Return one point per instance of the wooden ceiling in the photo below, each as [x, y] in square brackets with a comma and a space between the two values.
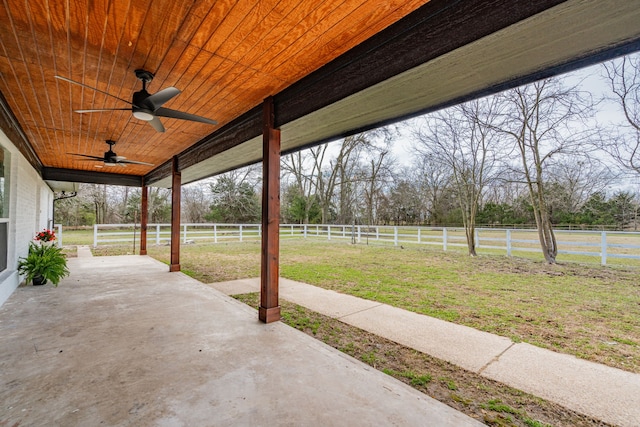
[225, 57]
[334, 67]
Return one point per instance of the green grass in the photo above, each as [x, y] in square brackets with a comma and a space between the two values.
[451, 384]
[300, 322]
[498, 406]
[77, 237]
[568, 308]
[535, 423]
[416, 380]
[588, 311]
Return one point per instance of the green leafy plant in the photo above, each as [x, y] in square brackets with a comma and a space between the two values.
[44, 260]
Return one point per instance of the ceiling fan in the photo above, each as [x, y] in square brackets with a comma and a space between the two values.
[146, 106]
[110, 158]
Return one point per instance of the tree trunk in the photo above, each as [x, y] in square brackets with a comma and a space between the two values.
[546, 235]
[470, 230]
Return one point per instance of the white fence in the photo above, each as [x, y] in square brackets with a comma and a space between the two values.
[602, 244]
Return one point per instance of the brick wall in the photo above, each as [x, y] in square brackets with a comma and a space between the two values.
[30, 208]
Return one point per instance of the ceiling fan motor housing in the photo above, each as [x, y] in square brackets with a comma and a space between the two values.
[140, 110]
[110, 157]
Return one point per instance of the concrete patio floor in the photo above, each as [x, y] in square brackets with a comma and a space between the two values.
[123, 342]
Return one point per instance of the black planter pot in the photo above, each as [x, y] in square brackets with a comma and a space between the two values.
[39, 280]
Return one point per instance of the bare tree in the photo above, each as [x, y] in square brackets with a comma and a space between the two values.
[544, 120]
[97, 194]
[463, 139]
[434, 182]
[623, 76]
[195, 202]
[403, 204]
[337, 176]
[575, 180]
[301, 167]
[505, 189]
[377, 173]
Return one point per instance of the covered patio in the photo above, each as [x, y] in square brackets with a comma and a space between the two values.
[245, 82]
[122, 341]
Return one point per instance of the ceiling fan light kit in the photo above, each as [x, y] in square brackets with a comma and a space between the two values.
[143, 115]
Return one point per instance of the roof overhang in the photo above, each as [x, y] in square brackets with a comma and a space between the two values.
[566, 37]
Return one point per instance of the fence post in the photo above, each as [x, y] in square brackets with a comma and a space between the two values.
[359, 235]
[377, 233]
[157, 234]
[477, 239]
[444, 239]
[305, 231]
[59, 235]
[184, 234]
[240, 232]
[508, 243]
[95, 235]
[395, 235]
[603, 248]
[328, 232]
[215, 233]
[419, 235]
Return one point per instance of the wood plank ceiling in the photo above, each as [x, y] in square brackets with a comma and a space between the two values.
[225, 56]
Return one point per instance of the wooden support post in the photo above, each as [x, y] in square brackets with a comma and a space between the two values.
[175, 216]
[269, 310]
[144, 216]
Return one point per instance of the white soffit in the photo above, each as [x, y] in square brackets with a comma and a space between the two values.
[60, 186]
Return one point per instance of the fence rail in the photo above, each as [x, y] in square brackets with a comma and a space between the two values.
[602, 244]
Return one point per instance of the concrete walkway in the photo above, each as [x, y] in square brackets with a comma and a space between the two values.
[605, 393]
[84, 251]
[123, 342]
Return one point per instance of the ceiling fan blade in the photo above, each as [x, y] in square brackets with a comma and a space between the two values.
[156, 124]
[92, 88]
[156, 100]
[101, 109]
[174, 114]
[89, 157]
[135, 162]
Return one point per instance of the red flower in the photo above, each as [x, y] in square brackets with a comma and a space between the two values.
[45, 235]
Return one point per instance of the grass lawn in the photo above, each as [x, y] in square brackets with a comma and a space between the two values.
[589, 311]
[77, 237]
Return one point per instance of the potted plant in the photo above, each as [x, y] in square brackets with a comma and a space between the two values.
[43, 263]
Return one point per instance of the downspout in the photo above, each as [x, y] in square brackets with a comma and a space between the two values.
[64, 195]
